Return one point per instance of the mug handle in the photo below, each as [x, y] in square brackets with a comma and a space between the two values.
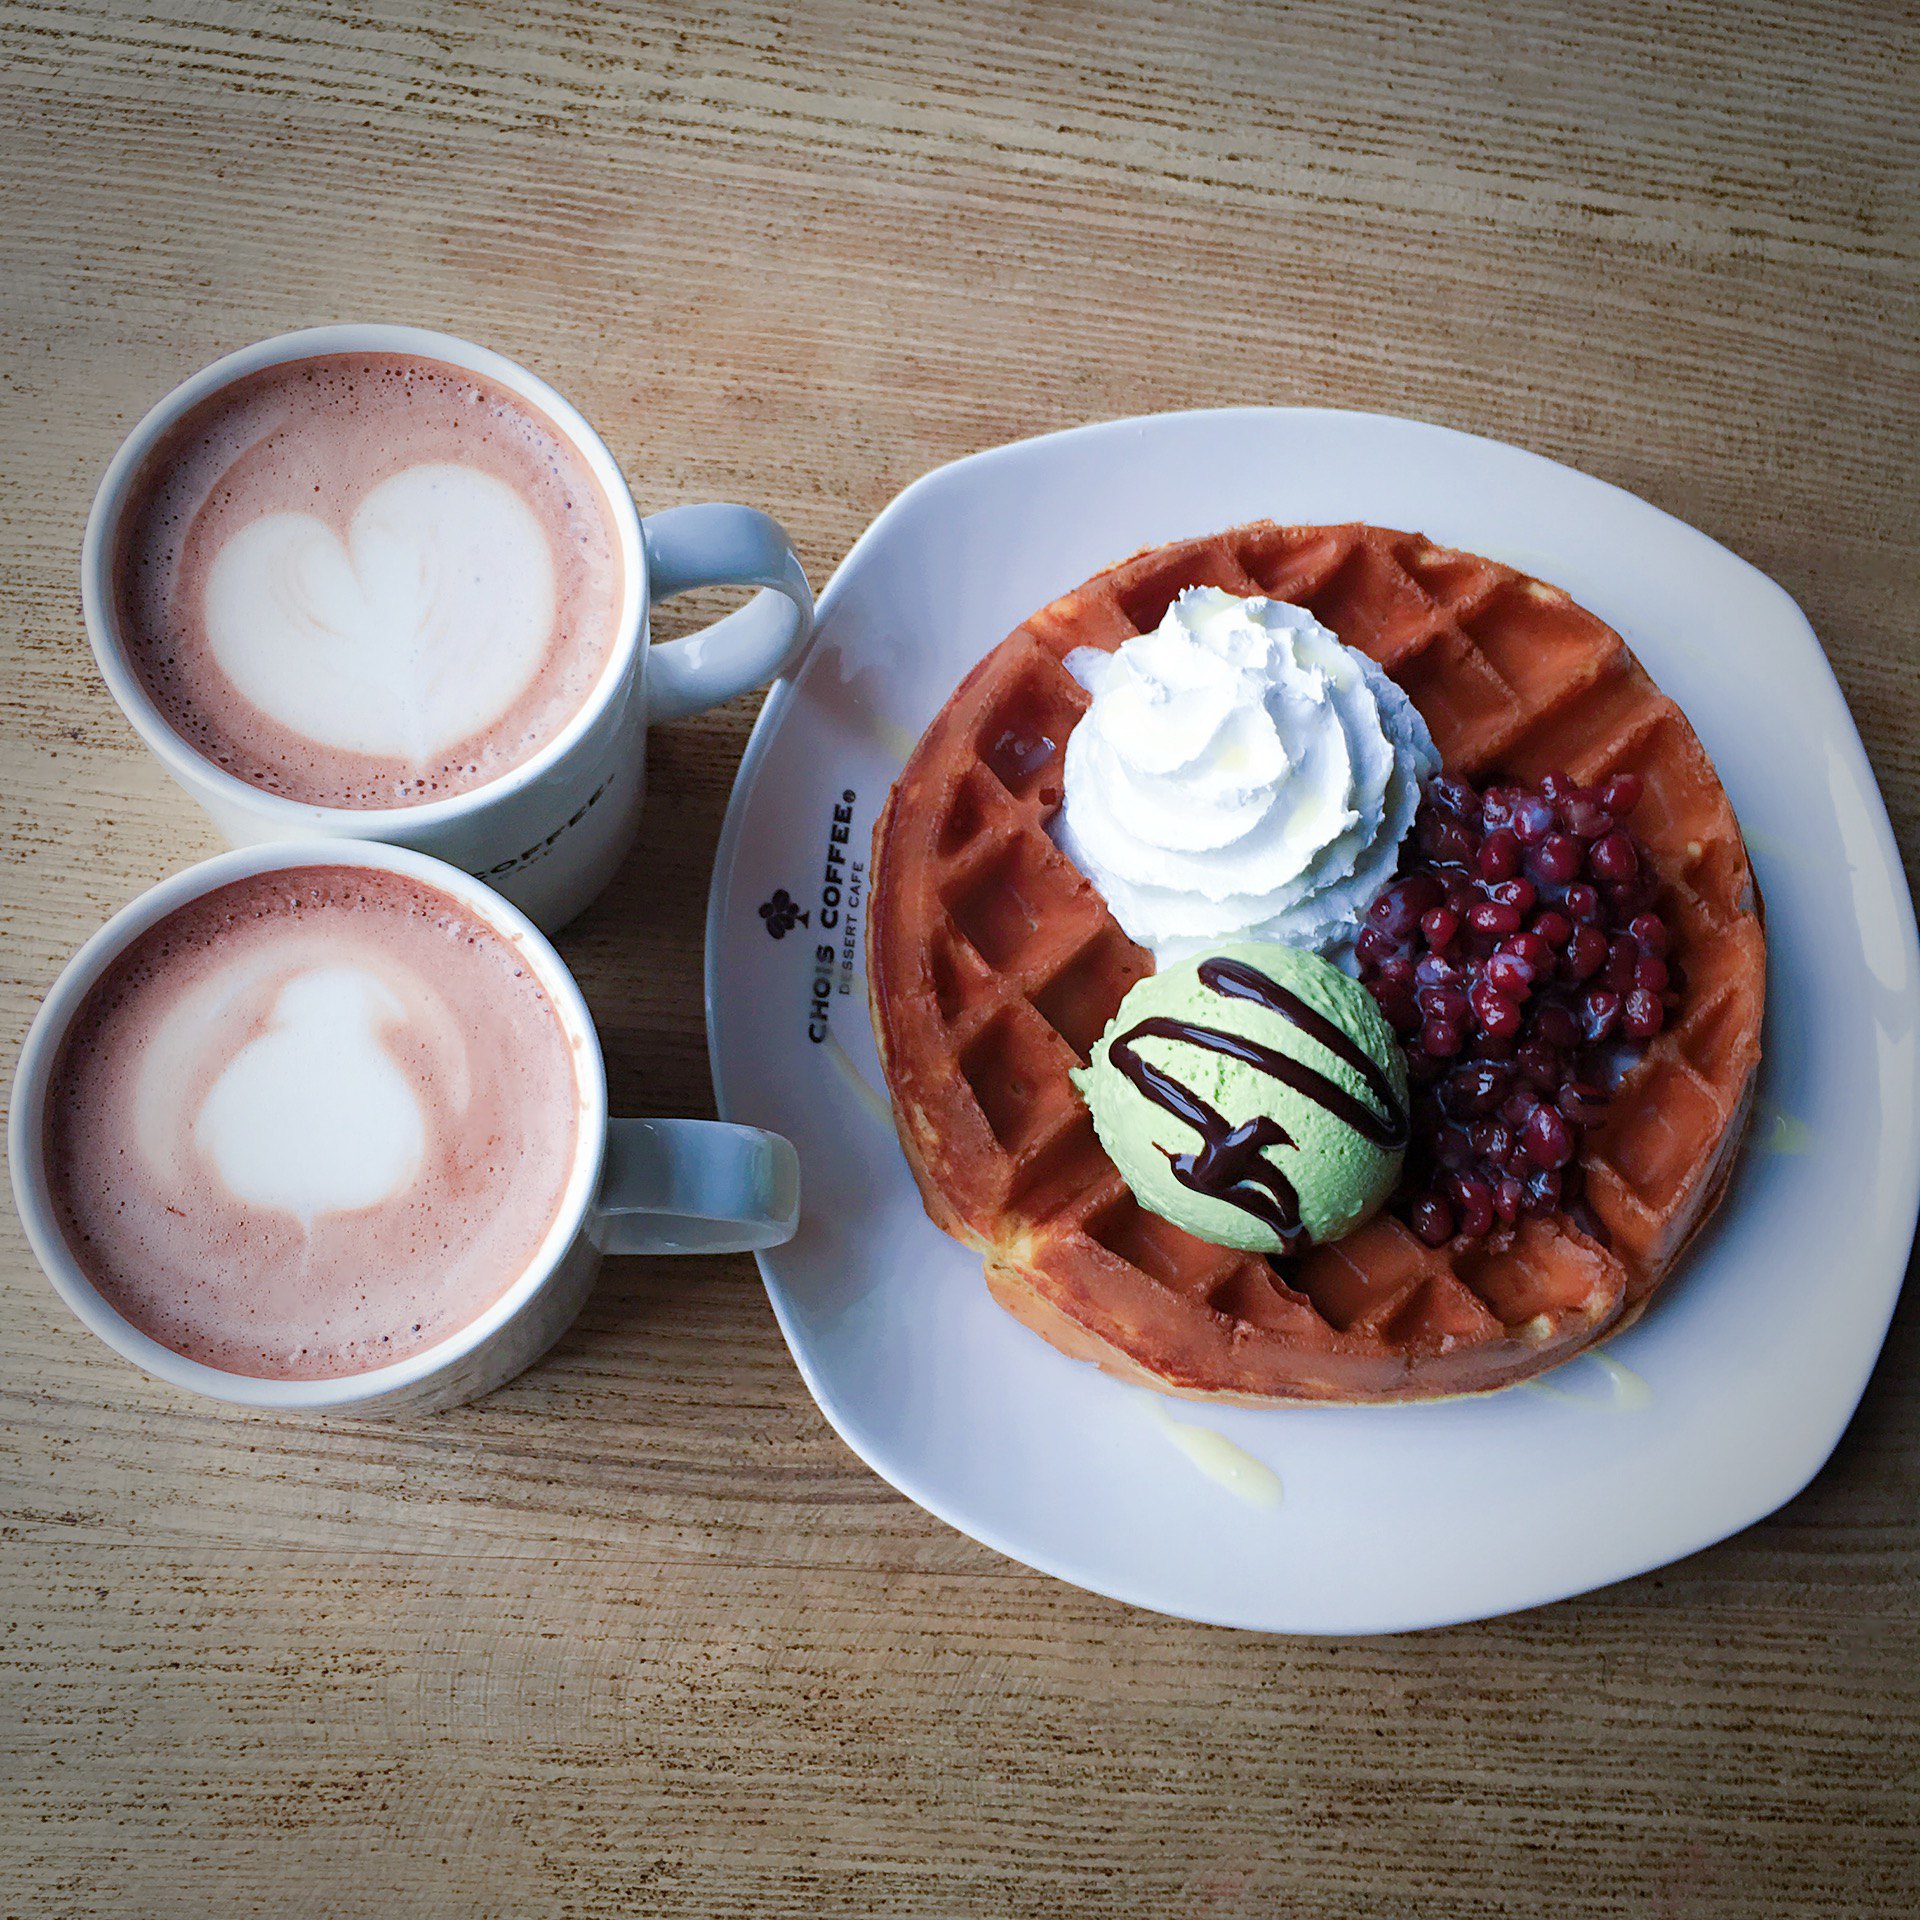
[694, 1186]
[724, 546]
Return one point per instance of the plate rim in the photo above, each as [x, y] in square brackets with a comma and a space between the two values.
[733, 826]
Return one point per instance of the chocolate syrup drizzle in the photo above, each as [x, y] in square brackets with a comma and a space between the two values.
[1230, 1163]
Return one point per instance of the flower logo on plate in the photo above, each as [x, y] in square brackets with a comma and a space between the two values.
[782, 914]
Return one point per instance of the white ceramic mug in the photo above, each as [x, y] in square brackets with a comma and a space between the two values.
[551, 832]
[636, 1186]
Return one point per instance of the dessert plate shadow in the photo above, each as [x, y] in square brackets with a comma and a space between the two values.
[1718, 1407]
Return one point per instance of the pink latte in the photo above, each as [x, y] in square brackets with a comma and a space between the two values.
[367, 579]
[311, 1123]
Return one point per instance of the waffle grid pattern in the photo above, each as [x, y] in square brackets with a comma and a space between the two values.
[995, 966]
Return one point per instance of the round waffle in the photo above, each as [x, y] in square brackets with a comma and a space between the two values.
[994, 966]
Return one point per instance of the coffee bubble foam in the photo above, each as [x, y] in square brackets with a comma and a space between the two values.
[366, 580]
[311, 1123]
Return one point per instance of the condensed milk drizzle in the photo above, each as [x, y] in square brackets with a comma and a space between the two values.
[1230, 1163]
[1216, 1456]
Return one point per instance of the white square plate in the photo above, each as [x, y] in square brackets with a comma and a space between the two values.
[1718, 1407]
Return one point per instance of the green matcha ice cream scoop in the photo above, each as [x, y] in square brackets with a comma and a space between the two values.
[1253, 1095]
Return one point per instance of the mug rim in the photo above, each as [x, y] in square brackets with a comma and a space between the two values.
[288, 816]
[27, 1129]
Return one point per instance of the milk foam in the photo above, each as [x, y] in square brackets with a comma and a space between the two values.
[315, 1116]
[420, 628]
[367, 580]
[311, 1124]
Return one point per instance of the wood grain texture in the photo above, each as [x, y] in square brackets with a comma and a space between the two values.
[637, 1635]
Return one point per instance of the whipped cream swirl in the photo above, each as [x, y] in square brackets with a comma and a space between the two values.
[1239, 775]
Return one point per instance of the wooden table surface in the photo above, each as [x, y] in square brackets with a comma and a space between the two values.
[638, 1635]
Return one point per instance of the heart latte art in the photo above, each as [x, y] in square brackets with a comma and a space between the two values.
[311, 1123]
[367, 580]
[356, 1134]
[424, 625]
